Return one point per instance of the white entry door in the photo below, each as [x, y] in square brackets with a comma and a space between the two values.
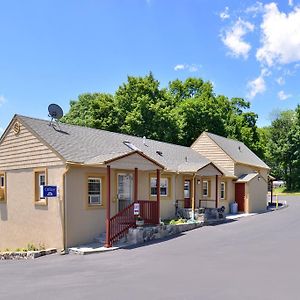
[125, 190]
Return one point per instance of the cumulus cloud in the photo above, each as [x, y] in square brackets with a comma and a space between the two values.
[291, 2]
[225, 13]
[256, 86]
[233, 38]
[191, 68]
[280, 36]
[2, 100]
[283, 96]
[280, 80]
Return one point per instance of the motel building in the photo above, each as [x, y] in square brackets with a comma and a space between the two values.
[63, 185]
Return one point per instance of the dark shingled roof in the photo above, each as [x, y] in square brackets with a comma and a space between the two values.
[87, 145]
[238, 151]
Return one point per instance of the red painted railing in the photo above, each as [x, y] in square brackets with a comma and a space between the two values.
[125, 219]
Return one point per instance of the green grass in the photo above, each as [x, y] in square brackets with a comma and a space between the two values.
[283, 191]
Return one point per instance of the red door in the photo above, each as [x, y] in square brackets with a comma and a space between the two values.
[187, 194]
[240, 196]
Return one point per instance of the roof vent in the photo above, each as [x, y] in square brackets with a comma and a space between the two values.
[240, 149]
[131, 146]
[159, 153]
[144, 141]
[186, 159]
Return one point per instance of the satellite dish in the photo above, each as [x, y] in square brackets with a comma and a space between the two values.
[55, 111]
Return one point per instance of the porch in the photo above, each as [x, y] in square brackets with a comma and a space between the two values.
[129, 206]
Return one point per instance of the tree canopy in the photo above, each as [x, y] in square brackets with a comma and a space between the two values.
[178, 113]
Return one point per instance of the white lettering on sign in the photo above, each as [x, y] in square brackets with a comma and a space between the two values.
[136, 209]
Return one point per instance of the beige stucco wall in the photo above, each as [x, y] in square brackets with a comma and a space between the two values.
[257, 195]
[22, 221]
[241, 169]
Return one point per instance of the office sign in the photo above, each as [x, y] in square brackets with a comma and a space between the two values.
[50, 191]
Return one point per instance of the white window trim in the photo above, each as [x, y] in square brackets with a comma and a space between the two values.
[100, 203]
[205, 195]
[224, 191]
[2, 177]
[162, 178]
[42, 174]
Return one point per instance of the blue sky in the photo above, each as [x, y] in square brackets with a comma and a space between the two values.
[52, 51]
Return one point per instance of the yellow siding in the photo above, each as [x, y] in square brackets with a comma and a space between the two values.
[25, 151]
[212, 151]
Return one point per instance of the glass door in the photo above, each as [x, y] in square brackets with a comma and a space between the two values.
[125, 190]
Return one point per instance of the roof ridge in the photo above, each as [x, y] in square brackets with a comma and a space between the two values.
[112, 132]
[227, 138]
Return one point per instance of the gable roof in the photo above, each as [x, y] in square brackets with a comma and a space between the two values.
[88, 145]
[238, 151]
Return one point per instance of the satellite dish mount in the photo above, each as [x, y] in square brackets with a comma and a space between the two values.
[55, 113]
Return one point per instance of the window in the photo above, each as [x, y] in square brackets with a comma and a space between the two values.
[223, 190]
[164, 182]
[94, 191]
[40, 181]
[2, 187]
[205, 188]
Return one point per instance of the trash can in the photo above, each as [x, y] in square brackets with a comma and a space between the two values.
[233, 208]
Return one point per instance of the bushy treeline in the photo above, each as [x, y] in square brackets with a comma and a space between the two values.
[178, 113]
[282, 149]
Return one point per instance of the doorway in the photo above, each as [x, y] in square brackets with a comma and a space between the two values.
[187, 193]
[240, 196]
[125, 190]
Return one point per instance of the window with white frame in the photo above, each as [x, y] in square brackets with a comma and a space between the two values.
[164, 186]
[2, 181]
[42, 182]
[205, 188]
[94, 191]
[223, 190]
[2, 187]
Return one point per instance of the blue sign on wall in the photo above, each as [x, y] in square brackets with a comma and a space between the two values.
[50, 191]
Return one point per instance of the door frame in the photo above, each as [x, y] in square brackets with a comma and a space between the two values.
[187, 200]
[131, 190]
[238, 197]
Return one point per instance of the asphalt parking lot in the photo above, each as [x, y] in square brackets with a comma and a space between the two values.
[253, 258]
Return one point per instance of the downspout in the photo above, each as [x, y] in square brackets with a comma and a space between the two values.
[64, 251]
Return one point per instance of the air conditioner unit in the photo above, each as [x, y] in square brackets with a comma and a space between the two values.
[94, 199]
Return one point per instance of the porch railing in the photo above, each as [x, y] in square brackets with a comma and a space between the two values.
[125, 219]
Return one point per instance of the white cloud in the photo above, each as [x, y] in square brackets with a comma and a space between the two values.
[179, 67]
[225, 13]
[280, 80]
[291, 2]
[254, 9]
[191, 68]
[283, 96]
[233, 38]
[280, 36]
[2, 100]
[257, 86]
